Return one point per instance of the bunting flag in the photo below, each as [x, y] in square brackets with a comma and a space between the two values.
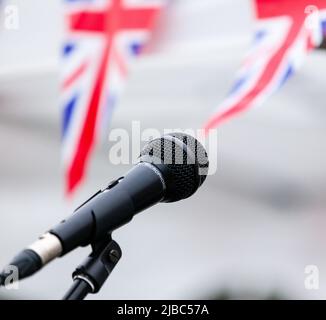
[102, 37]
[286, 31]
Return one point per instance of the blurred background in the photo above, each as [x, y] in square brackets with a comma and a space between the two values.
[253, 227]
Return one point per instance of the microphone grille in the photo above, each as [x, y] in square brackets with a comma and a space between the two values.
[182, 161]
[198, 150]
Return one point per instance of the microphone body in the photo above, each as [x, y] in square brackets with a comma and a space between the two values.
[141, 188]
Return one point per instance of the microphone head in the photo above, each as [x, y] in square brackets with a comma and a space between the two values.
[182, 161]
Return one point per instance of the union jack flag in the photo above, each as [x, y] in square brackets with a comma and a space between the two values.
[103, 36]
[287, 30]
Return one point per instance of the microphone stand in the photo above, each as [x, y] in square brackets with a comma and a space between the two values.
[90, 276]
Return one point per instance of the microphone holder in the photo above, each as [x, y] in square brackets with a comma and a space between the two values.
[90, 276]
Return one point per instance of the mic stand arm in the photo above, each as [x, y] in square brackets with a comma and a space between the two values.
[90, 276]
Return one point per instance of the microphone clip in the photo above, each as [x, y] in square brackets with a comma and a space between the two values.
[90, 276]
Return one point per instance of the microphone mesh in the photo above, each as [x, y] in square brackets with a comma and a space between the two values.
[185, 159]
[198, 150]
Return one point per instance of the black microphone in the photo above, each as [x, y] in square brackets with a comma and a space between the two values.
[170, 168]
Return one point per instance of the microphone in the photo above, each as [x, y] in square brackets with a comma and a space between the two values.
[170, 168]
